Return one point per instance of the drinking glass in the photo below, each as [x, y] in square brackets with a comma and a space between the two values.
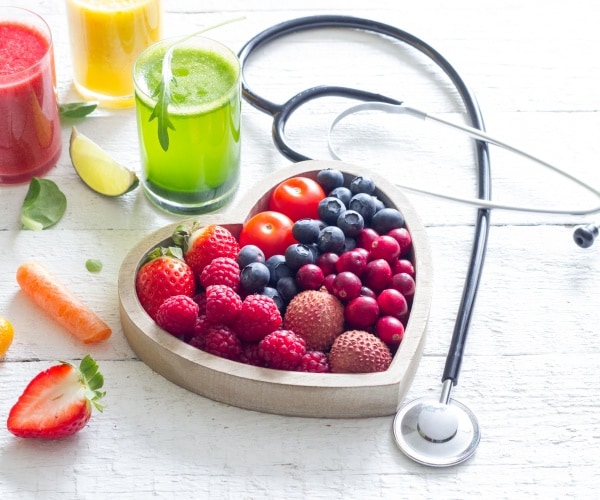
[106, 37]
[30, 135]
[198, 170]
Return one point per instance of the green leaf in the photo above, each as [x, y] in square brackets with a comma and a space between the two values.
[162, 93]
[161, 111]
[93, 380]
[43, 206]
[76, 109]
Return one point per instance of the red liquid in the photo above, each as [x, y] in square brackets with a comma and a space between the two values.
[30, 139]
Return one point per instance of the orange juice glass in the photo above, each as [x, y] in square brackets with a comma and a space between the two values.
[106, 37]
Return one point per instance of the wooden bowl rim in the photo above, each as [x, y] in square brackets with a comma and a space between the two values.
[160, 350]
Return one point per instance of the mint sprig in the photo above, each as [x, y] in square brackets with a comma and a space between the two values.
[162, 93]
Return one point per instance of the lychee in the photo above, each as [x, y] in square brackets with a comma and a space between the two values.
[358, 351]
[317, 317]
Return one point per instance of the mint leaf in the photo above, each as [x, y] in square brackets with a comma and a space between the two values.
[43, 206]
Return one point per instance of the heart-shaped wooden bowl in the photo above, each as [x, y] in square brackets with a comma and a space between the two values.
[326, 395]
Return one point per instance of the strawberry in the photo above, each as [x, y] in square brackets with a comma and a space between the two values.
[202, 244]
[163, 275]
[58, 401]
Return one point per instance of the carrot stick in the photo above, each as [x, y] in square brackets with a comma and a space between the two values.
[60, 303]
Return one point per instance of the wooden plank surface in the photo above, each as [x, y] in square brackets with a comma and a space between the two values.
[530, 372]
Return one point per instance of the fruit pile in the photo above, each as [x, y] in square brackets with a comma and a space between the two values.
[321, 281]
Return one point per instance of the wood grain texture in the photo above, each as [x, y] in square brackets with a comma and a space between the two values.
[530, 372]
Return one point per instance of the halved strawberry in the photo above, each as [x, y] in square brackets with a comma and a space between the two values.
[202, 244]
[163, 275]
[58, 401]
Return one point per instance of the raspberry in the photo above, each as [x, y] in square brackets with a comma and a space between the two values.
[250, 355]
[282, 349]
[201, 326]
[200, 299]
[314, 362]
[222, 304]
[197, 341]
[177, 315]
[222, 341]
[221, 271]
[258, 317]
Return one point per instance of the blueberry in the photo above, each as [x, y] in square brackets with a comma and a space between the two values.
[298, 254]
[254, 277]
[362, 184]
[330, 178]
[330, 209]
[349, 244]
[287, 288]
[387, 219]
[275, 295]
[342, 193]
[364, 204]
[379, 205]
[351, 222]
[277, 268]
[248, 254]
[306, 230]
[331, 239]
[315, 250]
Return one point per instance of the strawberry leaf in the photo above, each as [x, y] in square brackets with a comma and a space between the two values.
[93, 380]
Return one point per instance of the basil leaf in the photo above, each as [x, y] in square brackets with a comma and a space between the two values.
[43, 206]
[76, 109]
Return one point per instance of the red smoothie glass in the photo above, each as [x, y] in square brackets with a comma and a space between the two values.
[30, 135]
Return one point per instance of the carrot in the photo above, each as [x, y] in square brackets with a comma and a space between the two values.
[60, 303]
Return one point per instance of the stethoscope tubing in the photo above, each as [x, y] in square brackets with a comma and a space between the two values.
[475, 134]
[281, 113]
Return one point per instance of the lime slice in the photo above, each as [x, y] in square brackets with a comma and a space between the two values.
[97, 169]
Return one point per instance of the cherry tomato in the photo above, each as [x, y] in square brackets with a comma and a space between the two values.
[270, 231]
[298, 198]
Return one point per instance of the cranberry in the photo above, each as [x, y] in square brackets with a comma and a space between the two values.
[346, 286]
[326, 262]
[367, 292]
[362, 251]
[384, 247]
[392, 303]
[361, 312]
[377, 275]
[404, 283]
[328, 282]
[310, 277]
[404, 239]
[354, 261]
[390, 330]
[403, 266]
[366, 237]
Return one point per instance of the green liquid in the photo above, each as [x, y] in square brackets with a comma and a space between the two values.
[200, 169]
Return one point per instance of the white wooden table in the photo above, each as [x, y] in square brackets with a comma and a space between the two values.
[530, 372]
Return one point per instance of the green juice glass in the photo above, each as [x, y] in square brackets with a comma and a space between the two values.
[199, 170]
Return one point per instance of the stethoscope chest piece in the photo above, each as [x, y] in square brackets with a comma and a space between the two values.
[436, 434]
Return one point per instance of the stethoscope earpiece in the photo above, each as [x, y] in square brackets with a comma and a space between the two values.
[585, 235]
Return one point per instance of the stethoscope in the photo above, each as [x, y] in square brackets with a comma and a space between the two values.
[432, 431]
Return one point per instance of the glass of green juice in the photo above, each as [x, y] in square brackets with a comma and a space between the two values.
[197, 171]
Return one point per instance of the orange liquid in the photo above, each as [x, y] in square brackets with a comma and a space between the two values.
[106, 37]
